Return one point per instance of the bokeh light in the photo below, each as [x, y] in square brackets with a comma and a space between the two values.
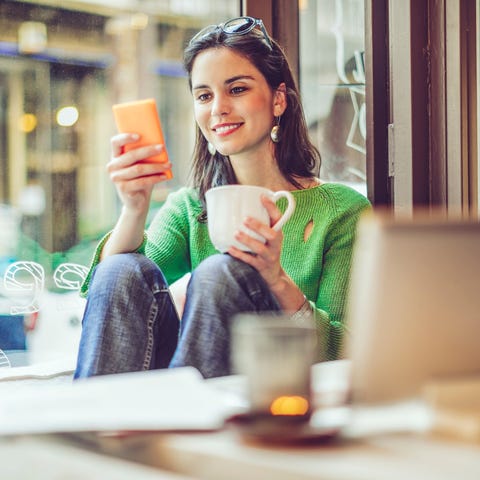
[27, 122]
[289, 405]
[67, 116]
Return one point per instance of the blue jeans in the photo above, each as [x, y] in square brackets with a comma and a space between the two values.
[12, 332]
[131, 324]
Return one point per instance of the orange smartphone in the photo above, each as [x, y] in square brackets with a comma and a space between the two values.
[141, 116]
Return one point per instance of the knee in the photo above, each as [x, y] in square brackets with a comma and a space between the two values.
[217, 266]
[114, 265]
[221, 269]
[128, 268]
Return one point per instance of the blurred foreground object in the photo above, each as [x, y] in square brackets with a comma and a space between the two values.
[414, 307]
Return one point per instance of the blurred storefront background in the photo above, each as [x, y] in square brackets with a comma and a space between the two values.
[62, 66]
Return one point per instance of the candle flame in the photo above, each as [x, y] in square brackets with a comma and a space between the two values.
[289, 405]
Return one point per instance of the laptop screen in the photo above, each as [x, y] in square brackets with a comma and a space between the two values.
[414, 305]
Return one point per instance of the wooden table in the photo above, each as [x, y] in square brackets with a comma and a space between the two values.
[224, 455]
[51, 458]
[392, 443]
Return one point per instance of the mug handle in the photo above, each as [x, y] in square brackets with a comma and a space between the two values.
[290, 207]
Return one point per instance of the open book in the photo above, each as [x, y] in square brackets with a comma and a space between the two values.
[177, 399]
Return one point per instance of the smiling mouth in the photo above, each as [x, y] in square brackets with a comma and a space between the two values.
[225, 129]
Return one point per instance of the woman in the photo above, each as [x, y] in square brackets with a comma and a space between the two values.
[250, 130]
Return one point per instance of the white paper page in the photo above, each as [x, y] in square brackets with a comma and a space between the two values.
[176, 399]
[41, 370]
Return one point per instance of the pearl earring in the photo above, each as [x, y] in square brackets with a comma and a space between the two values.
[211, 148]
[275, 132]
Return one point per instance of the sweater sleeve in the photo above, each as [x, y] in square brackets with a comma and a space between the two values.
[96, 260]
[165, 241]
[169, 233]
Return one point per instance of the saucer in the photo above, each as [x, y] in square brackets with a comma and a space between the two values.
[323, 425]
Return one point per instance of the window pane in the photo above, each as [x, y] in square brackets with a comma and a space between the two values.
[332, 81]
[62, 66]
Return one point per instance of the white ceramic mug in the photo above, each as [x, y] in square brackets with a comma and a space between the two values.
[229, 205]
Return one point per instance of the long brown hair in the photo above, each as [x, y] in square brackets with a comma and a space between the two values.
[295, 154]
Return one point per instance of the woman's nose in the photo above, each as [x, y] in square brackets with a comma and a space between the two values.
[220, 105]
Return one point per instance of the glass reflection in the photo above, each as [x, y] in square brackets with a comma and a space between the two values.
[62, 66]
[333, 86]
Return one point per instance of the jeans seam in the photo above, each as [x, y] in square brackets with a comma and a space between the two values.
[150, 328]
[150, 337]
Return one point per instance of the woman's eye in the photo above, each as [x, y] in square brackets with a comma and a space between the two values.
[203, 97]
[237, 90]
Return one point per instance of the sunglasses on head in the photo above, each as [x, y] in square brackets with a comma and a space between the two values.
[235, 26]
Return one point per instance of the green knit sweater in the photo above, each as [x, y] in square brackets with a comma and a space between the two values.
[319, 265]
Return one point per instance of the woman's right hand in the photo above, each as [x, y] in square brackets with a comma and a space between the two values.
[133, 179]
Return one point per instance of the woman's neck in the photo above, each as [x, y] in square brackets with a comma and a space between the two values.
[259, 169]
[264, 173]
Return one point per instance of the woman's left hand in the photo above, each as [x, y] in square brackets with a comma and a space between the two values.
[265, 257]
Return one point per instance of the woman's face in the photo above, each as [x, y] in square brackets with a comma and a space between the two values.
[233, 104]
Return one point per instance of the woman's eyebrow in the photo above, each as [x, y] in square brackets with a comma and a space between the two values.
[228, 81]
[238, 77]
